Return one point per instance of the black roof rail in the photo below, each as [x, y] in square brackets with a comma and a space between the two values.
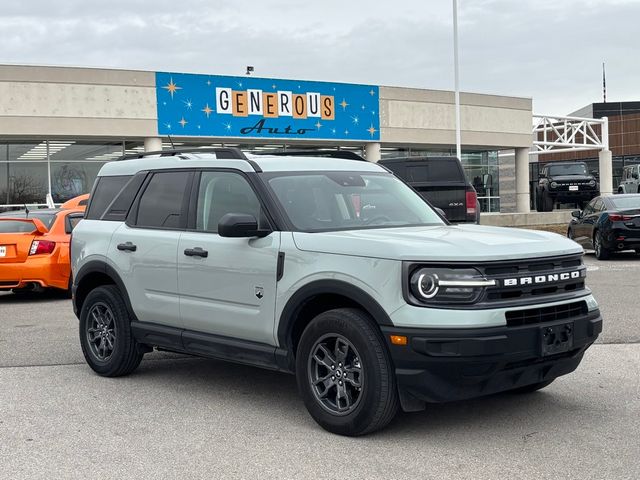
[221, 152]
[344, 154]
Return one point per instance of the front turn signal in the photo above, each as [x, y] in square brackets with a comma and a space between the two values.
[398, 339]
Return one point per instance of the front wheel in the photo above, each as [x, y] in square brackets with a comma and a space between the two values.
[344, 373]
[601, 252]
[105, 333]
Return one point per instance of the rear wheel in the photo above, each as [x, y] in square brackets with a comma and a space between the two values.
[601, 252]
[105, 333]
[344, 373]
[534, 387]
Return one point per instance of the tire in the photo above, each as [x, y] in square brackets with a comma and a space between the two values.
[547, 202]
[104, 317]
[534, 387]
[351, 336]
[601, 252]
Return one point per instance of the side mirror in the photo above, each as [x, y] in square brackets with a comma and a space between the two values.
[594, 173]
[240, 225]
[635, 175]
[576, 213]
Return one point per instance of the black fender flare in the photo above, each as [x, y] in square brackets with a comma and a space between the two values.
[332, 287]
[97, 266]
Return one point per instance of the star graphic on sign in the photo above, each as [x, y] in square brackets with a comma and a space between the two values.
[164, 103]
[318, 125]
[172, 87]
[373, 112]
[168, 125]
[333, 130]
[209, 82]
[207, 110]
[346, 132]
[371, 130]
[240, 84]
[198, 127]
[188, 104]
[343, 104]
[227, 126]
[372, 92]
[362, 107]
[355, 120]
[273, 86]
[183, 122]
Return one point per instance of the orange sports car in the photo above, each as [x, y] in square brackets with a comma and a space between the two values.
[34, 248]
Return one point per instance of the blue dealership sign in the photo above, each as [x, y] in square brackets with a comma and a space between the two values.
[250, 107]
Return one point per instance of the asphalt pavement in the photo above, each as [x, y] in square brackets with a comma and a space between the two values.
[184, 417]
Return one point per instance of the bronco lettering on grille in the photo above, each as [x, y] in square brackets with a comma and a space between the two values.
[537, 279]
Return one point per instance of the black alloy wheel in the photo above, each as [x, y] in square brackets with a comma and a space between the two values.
[101, 334]
[105, 333]
[344, 373]
[335, 373]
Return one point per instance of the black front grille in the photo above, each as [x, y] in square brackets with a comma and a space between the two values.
[531, 316]
[535, 269]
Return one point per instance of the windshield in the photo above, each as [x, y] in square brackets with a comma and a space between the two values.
[572, 169]
[625, 203]
[347, 200]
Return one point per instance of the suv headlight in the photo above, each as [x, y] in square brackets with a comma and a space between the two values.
[554, 184]
[434, 286]
[592, 183]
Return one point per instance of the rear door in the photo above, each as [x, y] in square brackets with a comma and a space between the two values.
[228, 287]
[144, 248]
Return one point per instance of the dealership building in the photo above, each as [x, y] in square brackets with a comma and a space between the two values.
[59, 125]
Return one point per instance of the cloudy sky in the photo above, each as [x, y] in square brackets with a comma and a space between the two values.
[551, 50]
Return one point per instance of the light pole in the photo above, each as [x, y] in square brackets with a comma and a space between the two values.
[456, 78]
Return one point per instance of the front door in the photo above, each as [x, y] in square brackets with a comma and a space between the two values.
[227, 285]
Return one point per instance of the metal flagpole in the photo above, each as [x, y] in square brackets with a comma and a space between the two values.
[456, 78]
[604, 85]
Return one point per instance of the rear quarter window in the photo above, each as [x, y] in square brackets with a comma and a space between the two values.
[105, 191]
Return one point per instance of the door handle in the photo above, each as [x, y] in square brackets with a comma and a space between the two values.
[127, 247]
[196, 252]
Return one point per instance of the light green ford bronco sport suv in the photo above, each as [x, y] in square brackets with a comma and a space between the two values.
[332, 269]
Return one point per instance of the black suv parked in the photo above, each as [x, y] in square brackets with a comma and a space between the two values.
[441, 180]
[565, 182]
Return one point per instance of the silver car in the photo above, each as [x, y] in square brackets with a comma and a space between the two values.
[330, 269]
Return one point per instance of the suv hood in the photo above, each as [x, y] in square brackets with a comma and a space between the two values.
[450, 243]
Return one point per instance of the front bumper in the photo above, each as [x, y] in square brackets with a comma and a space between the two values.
[440, 365]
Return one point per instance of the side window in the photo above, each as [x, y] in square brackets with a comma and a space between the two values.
[590, 208]
[598, 206]
[105, 190]
[220, 193]
[162, 201]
